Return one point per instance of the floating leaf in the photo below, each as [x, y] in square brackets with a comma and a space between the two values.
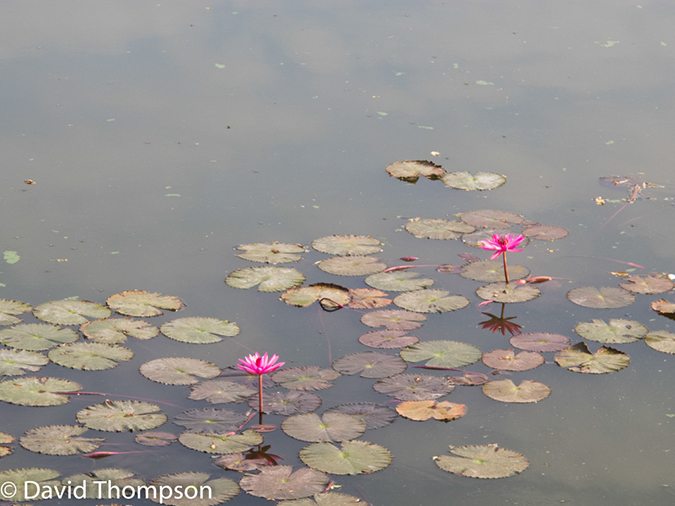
[225, 442]
[393, 319]
[468, 379]
[270, 279]
[388, 339]
[90, 356]
[506, 360]
[661, 340]
[492, 271]
[241, 461]
[411, 170]
[271, 253]
[36, 336]
[330, 427]
[545, 233]
[414, 387]
[118, 416]
[287, 403]
[206, 492]
[178, 371]
[370, 364]
[17, 362]
[373, 415]
[305, 378]
[423, 410]
[70, 312]
[199, 330]
[101, 483]
[155, 438]
[648, 284]
[305, 295]
[487, 461]
[442, 353]
[10, 308]
[511, 293]
[37, 392]
[219, 391]
[507, 391]
[577, 358]
[280, 482]
[351, 265]
[604, 297]
[348, 245]
[325, 499]
[20, 477]
[540, 341]
[436, 228]
[59, 440]
[398, 281]
[116, 330]
[143, 304]
[661, 306]
[355, 457]
[367, 298]
[210, 420]
[480, 181]
[430, 301]
[491, 219]
[618, 331]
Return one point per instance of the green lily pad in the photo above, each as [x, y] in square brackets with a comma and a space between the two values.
[210, 420]
[271, 253]
[430, 301]
[351, 265]
[491, 219]
[492, 271]
[199, 330]
[661, 340]
[545, 232]
[306, 378]
[375, 416]
[196, 489]
[370, 364]
[648, 284]
[398, 281]
[577, 358]
[288, 403]
[480, 181]
[306, 295]
[414, 387]
[330, 427]
[394, 319]
[155, 438]
[605, 297]
[118, 416]
[90, 356]
[36, 336]
[37, 392]
[511, 293]
[270, 279]
[354, 457]
[488, 461]
[507, 360]
[324, 499]
[618, 331]
[411, 170]
[424, 410]
[111, 477]
[220, 391]
[540, 341]
[116, 330]
[388, 339]
[280, 482]
[348, 245]
[10, 308]
[143, 304]
[17, 362]
[19, 477]
[224, 442]
[59, 440]
[70, 312]
[507, 391]
[442, 353]
[179, 371]
[436, 228]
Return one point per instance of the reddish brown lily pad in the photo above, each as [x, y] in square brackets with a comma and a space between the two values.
[507, 360]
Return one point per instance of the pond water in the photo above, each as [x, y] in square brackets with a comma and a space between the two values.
[161, 136]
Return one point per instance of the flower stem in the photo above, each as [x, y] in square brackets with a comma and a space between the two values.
[260, 406]
[506, 272]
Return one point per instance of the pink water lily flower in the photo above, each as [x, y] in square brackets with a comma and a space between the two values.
[255, 364]
[500, 244]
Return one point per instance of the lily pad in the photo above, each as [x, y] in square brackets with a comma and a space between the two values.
[540, 341]
[330, 427]
[480, 181]
[287, 403]
[411, 170]
[450, 354]
[577, 358]
[511, 293]
[37, 392]
[199, 330]
[271, 253]
[605, 297]
[545, 232]
[367, 298]
[430, 301]
[17, 362]
[354, 457]
[116, 330]
[10, 308]
[270, 279]
[351, 265]
[370, 364]
[661, 306]
[241, 461]
[394, 319]
[210, 420]
[325, 499]
[179, 371]
[348, 245]
[280, 482]
[59, 440]
[118, 416]
[648, 284]
[109, 478]
[36, 336]
[507, 391]
[423, 410]
[436, 228]
[398, 281]
[507, 360]
[224, 442]
[143, 304]
[618, 331]
[305, 378]
[220, 391]
[414, 387]
[375, 416]
[306, 295]
[661, 340]
[70, 312]
[203, 492]
[492, 271]
[155, 438]
[388, 339]
[491, 219]
[488, 461]
[90, 356]
[20, 477]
